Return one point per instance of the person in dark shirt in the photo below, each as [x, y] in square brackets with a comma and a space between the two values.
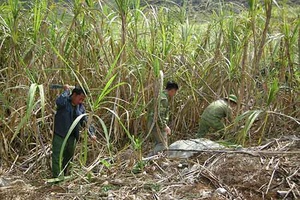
[69, 107]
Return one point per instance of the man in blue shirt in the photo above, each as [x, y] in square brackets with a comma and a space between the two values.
[69, 107]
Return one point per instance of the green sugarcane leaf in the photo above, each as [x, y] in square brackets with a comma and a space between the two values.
[30, 106]
[74, 124]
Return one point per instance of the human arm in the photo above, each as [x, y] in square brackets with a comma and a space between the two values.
[61, 101]
[229, 114]
[163, 115]
[84, 122]
[91, 129]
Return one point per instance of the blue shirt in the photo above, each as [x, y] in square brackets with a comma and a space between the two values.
[66, 113]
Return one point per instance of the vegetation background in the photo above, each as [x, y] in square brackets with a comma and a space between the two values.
[117, 50]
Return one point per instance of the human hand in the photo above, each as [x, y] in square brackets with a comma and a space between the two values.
[168, 130]
[94, 138]
[66, 87]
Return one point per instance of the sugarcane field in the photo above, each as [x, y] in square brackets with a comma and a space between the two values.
[145, 99]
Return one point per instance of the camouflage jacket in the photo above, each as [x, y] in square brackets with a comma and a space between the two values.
[216, 111]
[162, 110]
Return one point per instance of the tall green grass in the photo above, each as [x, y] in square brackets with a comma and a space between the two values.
[117, 50]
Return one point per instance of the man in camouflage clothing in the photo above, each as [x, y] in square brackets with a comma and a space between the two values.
[211, 119]
[158, 125]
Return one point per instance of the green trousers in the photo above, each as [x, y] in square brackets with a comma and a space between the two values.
[160, 139]
[68, 154]
[206, 126]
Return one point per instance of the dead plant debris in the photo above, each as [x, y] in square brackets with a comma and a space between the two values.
[208, 175]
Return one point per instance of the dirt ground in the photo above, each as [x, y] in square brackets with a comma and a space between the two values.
[270, 171]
